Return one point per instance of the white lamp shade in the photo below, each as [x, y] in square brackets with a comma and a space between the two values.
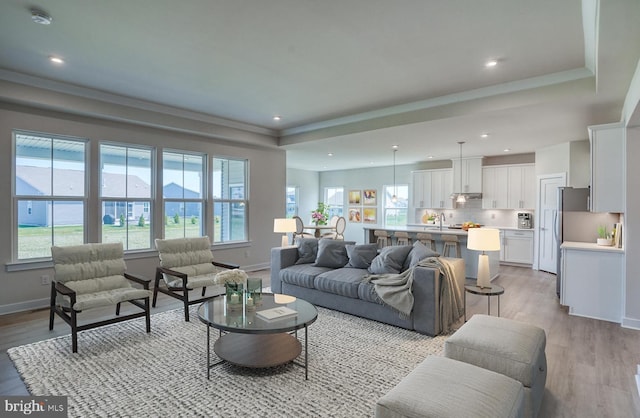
[283, 225]
[483, 239]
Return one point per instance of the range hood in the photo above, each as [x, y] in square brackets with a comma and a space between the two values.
[467, 196]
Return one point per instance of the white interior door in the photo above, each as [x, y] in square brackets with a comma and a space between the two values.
[547, 249]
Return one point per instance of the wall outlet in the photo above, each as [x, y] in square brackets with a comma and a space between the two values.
[44, 280]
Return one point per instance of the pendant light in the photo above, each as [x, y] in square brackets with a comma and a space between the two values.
[461, 198]
[394, 198]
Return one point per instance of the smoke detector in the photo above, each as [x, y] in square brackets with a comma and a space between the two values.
[40, 17]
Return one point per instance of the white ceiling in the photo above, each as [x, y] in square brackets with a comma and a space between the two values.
[349, 77]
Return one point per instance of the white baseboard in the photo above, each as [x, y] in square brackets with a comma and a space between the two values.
[24, 306]
[256, 267]
[631, 323]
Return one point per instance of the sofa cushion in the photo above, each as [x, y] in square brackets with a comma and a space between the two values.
[390, 260]
[418, 253]
[307, 250]
[361, 256]
[344, 281]
[332, 253]
[301, 274]
[366, 292]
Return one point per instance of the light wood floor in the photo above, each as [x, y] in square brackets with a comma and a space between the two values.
[591, 364]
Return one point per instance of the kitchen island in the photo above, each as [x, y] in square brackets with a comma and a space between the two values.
[470, 257]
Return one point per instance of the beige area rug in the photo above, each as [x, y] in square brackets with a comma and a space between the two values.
[122, 371]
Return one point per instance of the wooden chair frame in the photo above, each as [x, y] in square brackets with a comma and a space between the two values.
[182, 292]
[70, 315]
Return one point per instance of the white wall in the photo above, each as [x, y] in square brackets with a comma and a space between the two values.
[572, 158]
[307, 183]
[23, 290]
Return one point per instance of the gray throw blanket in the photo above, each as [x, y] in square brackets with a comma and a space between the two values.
[395, 290]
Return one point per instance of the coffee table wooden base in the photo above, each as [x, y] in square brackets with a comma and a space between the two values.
[257, 351]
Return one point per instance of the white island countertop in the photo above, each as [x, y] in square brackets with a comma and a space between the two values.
[590, 246]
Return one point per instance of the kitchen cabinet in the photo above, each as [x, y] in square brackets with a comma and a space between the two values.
[432, 189]
[522, 186]
[607, 167]
[592, 281]
[471, 171]
[518, 246]
[502, 245]
[495, 187]
[509, 187]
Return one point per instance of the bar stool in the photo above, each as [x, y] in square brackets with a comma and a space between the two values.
[427, 239]
[383, 238]
[450, 242]
[402, 238]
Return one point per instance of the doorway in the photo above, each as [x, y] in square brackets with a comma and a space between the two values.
[547, 248]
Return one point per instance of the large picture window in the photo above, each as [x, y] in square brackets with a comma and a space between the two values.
[395, 213]
[230, 200]
[49, 193]
[126, 197]
[182, 192]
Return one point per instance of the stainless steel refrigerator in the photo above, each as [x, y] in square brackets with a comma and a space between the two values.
[570, 200]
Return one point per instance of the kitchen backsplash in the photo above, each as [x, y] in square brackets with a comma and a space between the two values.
[473, 212]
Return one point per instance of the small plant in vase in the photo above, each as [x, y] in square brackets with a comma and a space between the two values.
[604, 238]
[320, 216]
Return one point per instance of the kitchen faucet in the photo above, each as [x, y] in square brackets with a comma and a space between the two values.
[442, 218]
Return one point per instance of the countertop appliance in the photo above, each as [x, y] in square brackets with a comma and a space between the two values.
[524, 220]
[569, 200]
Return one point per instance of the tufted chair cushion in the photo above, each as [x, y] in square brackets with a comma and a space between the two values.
[191, 256]
[96, 273]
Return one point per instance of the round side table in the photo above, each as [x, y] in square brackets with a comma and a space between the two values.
[494, 290]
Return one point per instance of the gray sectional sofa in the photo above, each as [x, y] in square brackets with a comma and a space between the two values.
[331, 276]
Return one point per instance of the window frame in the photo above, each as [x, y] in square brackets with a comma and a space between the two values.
[296, 196]
[184, 201]
[51, 198]
[244, 203]
[388, 205]
[129, 200]
[334, 209]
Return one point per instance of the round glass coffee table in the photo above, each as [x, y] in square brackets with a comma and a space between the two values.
[248, 339]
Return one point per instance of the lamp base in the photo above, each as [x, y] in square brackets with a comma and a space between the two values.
[484, 278]
[285, 241]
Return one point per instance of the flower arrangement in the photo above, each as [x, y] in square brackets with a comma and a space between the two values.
[320, 216]
[231, 276]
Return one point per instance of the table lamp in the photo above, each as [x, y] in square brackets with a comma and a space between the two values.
[284, 226]
[483, 239]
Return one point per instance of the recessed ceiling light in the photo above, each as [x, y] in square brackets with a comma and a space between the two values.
[277, 118]
[491, 63]
[56, 60]
[507, 149]
[484, 136]
[330, 154]
[430, 157]
[40, 17]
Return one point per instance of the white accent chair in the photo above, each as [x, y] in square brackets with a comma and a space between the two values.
[187, 264]
[90, 276]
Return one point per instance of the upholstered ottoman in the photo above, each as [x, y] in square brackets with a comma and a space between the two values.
[504, 346]
[440, 388]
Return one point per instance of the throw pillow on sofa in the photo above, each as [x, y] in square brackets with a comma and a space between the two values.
[361, 256]
[418, 253]
[307, 250]
[390, 260]
[332, 253]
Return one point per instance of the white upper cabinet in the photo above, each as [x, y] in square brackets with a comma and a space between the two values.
[509, 187]
[494, 187]
[607, 167]
[522, 186]
[432, 189]
[471, 171]
[441, 189]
